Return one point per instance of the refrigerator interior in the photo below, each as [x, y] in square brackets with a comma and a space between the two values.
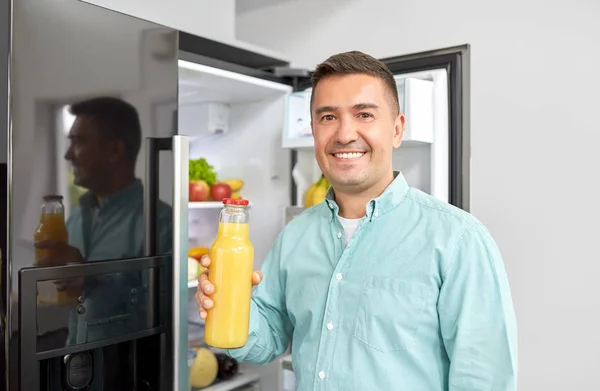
[235, 122]
[247, 148]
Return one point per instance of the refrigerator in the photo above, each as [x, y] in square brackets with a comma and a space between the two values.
[100, 116]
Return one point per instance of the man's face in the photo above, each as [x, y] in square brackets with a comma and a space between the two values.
[355, 130]
[89, 153]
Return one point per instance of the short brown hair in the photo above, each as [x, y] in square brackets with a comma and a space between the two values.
[355, 62]
[117, 119]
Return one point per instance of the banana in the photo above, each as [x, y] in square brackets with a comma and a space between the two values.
[318, 195]
[235, 184]
[236, 196]
[308, 195]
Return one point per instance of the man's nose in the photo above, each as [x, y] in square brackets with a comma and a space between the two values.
[69, 154]
[347, 131]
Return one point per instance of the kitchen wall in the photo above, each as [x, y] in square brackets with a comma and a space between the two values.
[535, 136]
[207, 18]
[210, 19]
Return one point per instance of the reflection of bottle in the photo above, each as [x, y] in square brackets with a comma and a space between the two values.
[51, 227]
[230, 271]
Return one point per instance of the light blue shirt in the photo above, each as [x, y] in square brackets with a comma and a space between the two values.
[418, 300]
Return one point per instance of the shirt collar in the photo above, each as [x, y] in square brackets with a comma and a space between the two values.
[391, 197]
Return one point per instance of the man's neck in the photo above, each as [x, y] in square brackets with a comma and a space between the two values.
[117, 184]
[353, 204]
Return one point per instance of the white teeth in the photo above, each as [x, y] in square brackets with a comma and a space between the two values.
[352, 155]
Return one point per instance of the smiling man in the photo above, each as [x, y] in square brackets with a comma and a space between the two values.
[380, 287]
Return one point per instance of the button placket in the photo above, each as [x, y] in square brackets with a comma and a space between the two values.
[328, 338]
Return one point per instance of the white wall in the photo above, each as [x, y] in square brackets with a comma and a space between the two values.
[213, 19]
[535, 138]
[208, 18]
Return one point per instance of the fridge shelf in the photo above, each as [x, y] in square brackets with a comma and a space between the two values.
[245, 378]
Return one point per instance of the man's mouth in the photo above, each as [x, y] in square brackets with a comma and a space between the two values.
[348, 155]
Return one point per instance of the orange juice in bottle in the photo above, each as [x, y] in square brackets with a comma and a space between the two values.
[51, 227]
[230, 271]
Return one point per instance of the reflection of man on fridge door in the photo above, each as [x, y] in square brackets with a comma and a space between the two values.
[381, 286]
[108, 223]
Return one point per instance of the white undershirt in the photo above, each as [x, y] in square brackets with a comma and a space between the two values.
[350, 226]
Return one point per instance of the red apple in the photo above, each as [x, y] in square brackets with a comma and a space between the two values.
[219, 191]
[198, 191]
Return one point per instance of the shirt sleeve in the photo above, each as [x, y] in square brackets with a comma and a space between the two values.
[270, 329]
[477, 318]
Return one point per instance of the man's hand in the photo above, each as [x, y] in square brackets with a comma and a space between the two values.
[205, 288]
[57, 254]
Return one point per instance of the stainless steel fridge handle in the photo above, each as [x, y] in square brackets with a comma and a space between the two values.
[178, 328]
[181, 158]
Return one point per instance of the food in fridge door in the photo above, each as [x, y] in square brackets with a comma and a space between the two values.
[316, 192]
[194, 266]
[235, 184]
[200, 170]
[228, 367]
[201, 177]
[220, 191]
[198, 191]
[204, 369]
[228, 188]
[197, 252]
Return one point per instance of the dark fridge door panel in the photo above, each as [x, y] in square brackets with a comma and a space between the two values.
[88, 87]
[452, 65]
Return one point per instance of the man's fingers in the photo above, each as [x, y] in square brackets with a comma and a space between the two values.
[257, 277]
[205, 261]
[204, 303]
[205, 285]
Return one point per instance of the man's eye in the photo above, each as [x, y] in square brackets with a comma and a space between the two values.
[366, 115]
[327, 117]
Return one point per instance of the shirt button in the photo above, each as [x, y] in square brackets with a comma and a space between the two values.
[376, 213]
[338, 276]
[329, 326]
[322, 375]
[339, 235]
[330, 206]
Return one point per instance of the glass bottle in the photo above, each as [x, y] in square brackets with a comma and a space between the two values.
[230, 271]
[51, 227]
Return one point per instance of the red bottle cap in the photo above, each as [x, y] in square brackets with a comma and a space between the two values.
[233, 201]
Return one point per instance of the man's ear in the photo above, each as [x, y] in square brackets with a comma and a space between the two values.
[398, 130]
[118, 150]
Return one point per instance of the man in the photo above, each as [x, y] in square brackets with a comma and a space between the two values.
[108, 224]
[380, 287]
